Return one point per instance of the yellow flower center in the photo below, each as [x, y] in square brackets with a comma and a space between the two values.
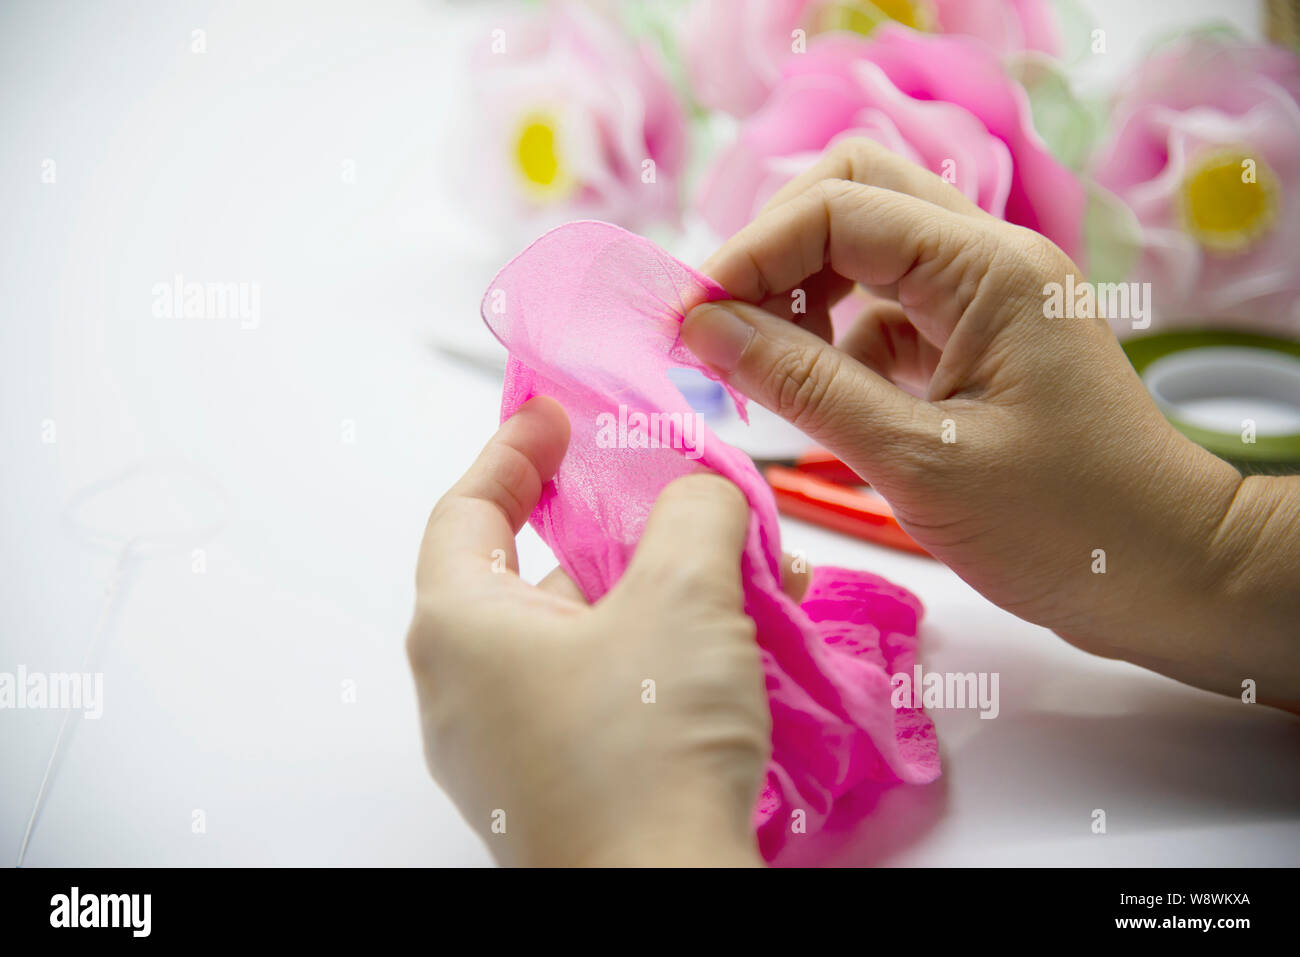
[536, 157]
[1229, 199]
[863, 16]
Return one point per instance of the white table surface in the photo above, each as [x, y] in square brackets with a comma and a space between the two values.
[223, 689]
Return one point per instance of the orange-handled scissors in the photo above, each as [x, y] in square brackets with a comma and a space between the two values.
[819, 488]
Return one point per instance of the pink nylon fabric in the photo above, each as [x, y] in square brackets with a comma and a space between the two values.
[591, 316]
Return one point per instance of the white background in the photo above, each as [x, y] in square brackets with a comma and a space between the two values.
[223, 689]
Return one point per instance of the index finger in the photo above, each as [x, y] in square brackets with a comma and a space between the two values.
[865, 161]
[472, 529]
[874, 236]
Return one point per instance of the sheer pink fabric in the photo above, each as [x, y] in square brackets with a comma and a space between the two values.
[591, 315]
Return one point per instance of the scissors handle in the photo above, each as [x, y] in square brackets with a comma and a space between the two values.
[852, 511]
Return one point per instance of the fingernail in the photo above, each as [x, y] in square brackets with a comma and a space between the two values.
[716, 335]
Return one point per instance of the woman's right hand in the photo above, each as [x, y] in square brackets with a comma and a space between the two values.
[1036, 454]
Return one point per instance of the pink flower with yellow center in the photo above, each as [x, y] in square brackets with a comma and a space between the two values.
[1206, 152]
[579, 120]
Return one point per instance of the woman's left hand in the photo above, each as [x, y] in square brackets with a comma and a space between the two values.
[632, 731]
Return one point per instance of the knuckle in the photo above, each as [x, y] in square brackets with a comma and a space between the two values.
[1044, 257]
[845, 148]
[513, 481]
[1025, 259]
[798, 383]
[952, 239]
[513, 468]
[833, 191]
[857, 151]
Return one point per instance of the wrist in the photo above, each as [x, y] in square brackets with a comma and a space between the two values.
[683, 832]
[1158, 566]
[1210, 593]
[655, 849]
[1256, 553]
[672, 827]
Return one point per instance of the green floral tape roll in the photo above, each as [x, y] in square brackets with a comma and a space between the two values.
[1234, 393]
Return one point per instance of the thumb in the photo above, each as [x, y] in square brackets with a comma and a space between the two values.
[819, 389]
[692, 542]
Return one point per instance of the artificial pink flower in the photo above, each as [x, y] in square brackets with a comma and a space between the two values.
[579, 121]
[735, 48]
[943, 102]
[1206, 152]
